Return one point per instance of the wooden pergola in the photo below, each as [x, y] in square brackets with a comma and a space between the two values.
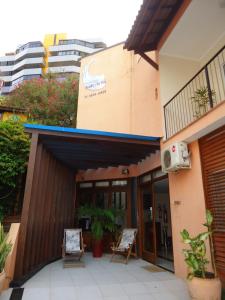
[56, 154]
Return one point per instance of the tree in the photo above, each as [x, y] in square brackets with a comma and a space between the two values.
[2, 100]
[14, 151]
[47, 100]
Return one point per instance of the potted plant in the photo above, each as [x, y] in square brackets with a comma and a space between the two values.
[5, 248]
[101, 220]
[201, 101]
[202, 285]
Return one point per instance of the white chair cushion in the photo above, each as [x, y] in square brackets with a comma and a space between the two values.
[127, 239]
[72, 240]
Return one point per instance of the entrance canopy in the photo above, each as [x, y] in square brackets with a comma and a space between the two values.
[81, 149]
[50, 193]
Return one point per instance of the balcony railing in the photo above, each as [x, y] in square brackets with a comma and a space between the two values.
[205, 90]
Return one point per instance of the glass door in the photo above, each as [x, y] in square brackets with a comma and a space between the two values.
[148, 224]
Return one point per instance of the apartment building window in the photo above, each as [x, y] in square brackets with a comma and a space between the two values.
[7, 83]
[29, 45]
[7, 63]
[69, 52]
[23, 78]
[7, 73]
[77, 42]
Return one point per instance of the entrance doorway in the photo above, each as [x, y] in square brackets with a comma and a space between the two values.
[155, 220]
[164, 245]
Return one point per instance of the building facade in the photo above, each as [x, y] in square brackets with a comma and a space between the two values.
[156, 92]
[56, 54]
[132, 96]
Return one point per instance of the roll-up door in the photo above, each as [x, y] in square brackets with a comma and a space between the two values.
[212, 149]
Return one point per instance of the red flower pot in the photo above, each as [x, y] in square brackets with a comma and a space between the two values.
[97, 248]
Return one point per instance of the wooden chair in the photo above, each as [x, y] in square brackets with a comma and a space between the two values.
[125, 245]
[73, 247]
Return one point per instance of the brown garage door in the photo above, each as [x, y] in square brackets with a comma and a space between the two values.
[212, 149]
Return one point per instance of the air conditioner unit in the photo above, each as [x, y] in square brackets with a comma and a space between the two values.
[175, 157]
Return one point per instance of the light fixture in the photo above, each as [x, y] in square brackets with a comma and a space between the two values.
[125, 171]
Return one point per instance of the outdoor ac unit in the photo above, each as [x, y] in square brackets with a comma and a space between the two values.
[175, 157]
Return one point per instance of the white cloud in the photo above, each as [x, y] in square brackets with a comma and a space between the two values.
[26, 20]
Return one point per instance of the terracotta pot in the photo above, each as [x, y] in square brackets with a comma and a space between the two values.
[204, 288]
[97, 248]
[2, 279]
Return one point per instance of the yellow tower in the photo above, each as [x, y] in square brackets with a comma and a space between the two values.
[51, 40]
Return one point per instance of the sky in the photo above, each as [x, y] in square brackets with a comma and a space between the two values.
[22, 21]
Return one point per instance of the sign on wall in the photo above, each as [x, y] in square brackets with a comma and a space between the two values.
[94, 83]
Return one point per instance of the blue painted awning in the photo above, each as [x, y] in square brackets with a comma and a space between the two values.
[91, 132]
[91, 149]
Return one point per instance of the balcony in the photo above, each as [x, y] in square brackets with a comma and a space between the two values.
[197, 97]
[69, 47]
[7, 89]
[34, 62]
[64, 69]
[25, 72]
[63, 60]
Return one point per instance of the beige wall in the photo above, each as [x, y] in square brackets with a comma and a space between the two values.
[146, 109]
[186, 189]
[213, 50]
[186, 186]
[128, 103]
[174, 74]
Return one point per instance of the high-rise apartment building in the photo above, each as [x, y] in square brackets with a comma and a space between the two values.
[56, 54]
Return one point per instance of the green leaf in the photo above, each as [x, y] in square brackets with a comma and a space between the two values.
[190, 276]
[185, 236]
[209, 217]
[203, 236]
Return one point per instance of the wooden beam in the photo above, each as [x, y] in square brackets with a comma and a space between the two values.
[26, 206]
[77, 142]
[149, 60]
[155, 16]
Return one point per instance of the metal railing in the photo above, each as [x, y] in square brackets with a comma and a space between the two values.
[200, 94]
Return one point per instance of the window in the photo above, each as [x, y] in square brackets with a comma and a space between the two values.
[119, 200]
[7, 63]
[69, 52]
[158, 173]
[119, 182]
[86, 185]
[101, 200]
[29, 45]
[77, 42]
[7, 83]
[102, 184]
[146, 178]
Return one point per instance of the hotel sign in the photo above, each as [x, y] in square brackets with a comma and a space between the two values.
[93, 83]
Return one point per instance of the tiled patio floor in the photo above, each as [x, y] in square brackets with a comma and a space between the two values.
[100, 280]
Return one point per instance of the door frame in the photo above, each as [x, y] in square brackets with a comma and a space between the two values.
[151, 257]
[109, 189]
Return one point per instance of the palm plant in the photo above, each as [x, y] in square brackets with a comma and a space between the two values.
[101, 220]
[5, 248]
[195, 257]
